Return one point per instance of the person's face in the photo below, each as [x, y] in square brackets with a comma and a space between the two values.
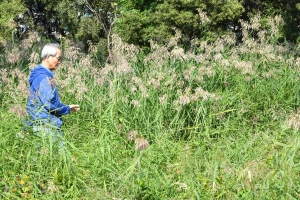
[54, 61]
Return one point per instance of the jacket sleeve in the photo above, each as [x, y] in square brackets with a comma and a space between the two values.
[50, 99]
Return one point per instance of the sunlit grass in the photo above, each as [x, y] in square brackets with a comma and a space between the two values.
[223, 128]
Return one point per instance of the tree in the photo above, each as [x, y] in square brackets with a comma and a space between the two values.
[138, 21]
[88, 21]
[9, 12]
[286, 8]
[137, 24]
[54, 18]
[106, 13]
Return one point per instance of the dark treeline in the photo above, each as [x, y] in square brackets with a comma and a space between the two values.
[137, 21]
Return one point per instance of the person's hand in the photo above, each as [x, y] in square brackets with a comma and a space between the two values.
[74, 108]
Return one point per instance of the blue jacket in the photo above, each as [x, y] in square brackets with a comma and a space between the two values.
[43, 104]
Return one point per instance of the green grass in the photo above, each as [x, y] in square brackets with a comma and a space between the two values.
[233, 147]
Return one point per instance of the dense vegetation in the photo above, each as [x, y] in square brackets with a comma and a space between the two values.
[220, 121]
[136, 21]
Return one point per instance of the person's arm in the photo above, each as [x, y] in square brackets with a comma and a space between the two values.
[51, 101]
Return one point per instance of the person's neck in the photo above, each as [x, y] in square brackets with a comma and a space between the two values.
[44, 63]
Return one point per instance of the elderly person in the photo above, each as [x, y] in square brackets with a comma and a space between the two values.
[44, 108]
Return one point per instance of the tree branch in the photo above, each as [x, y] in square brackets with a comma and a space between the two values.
[98, 15]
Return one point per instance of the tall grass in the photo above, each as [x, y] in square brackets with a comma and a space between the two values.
[218, 122]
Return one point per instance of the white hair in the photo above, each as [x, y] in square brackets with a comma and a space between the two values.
[49, 50]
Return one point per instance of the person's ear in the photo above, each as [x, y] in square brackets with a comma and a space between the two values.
[47, 58]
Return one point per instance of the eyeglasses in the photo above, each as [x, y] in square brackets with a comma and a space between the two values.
[58, 58]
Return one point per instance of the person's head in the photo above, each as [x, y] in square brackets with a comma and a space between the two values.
[51, 56]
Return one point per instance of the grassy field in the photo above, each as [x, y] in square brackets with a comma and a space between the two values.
[219, 122]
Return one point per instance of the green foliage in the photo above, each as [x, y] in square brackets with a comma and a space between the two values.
[221, 122]
[66, 12]
[139, 21]
[137, 25]
[73, 19]
[9, 10]
[220, 11]
[137, 4]
[88, 29]
[286, 9]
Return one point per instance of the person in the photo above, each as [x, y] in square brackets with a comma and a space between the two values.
[44, 108]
